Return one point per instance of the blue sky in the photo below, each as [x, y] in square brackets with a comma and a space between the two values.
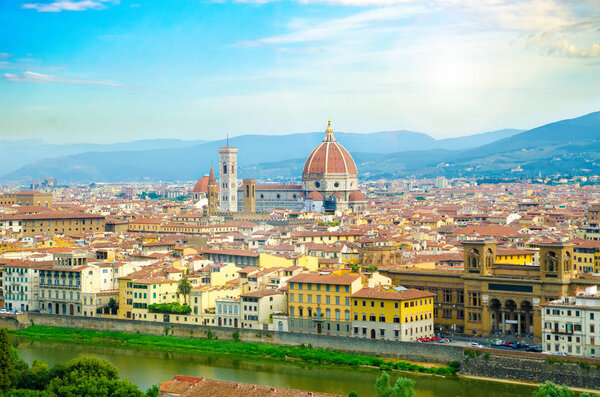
[108, 70]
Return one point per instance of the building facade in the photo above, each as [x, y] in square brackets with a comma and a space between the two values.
[228, 182]
[320, 303]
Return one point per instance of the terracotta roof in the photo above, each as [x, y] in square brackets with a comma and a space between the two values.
[197, 387]
[380, 293]
[315, 278]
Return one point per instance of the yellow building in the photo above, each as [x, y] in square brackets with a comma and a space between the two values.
[53, 222]
[392, 313]
[27, 198]
[587, 256]
[515, 256]
[320, 303]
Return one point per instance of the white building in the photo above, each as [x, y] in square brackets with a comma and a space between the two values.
[227, 312]
[571, 325]
[21, 285]
[63, 283]
[258, 307]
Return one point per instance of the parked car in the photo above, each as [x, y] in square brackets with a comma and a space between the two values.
[499, 342]
[507, 344]
[560, 354]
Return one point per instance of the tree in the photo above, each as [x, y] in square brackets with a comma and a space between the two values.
[404, 388]
[549, 389]
[352, 394]
[86, 367]
[382, 385]
[184, 288]
[153, 391]
[7, 362]
[112, 305]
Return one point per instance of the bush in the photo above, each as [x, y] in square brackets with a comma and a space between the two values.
[236, 335]
[170, 308]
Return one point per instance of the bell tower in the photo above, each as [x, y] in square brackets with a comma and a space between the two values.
[249, 186]
[479, 256]
[228, 178]
[212, 194]
[556, 261]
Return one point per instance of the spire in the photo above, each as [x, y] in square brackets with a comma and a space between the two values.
[329, 133]
[211, 176]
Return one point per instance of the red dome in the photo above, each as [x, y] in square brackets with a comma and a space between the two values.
[315, 196]
[357, 195]
[202, 185]
[329, 158]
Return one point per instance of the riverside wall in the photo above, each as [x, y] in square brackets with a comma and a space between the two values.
[582, 374]
[475, 362]
[403, 350]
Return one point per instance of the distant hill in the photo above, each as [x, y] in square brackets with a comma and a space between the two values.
[15, 154]
[567, 146]
[184, 160]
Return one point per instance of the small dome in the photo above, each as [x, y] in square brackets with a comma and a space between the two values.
[202, 185]
[315, 196]
[357, 195]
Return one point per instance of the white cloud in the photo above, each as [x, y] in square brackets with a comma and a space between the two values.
[32, 77]
[67, 5]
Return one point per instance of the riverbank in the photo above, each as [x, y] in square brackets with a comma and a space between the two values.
[147, 367]
[205, 344]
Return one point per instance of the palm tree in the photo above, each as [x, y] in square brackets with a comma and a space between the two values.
[184, 288]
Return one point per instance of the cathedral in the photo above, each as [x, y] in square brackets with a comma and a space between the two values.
[329, 183]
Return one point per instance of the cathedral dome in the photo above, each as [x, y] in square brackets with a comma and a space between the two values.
[202, 185]
[329, 158]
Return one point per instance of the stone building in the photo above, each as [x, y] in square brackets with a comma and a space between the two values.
[488, 297]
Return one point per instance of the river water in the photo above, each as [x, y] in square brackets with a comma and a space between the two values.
[146, 368]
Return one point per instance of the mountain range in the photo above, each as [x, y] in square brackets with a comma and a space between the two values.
[568, 146]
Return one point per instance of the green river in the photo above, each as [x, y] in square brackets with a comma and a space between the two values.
[146, 368]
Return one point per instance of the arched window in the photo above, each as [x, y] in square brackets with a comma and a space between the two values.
[328, 314]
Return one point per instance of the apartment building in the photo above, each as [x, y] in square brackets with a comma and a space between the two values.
[571, 325]
[52, 222]
[258, 307]
[392, 313]
[227, 312]
[21, 285]
[64, 281]
[320, 303]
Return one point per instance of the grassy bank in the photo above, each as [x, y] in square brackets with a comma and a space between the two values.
[222, 347]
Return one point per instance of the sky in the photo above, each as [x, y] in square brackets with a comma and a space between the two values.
[109, 70]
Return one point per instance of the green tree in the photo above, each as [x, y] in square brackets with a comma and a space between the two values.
[153, 391]
[549, 389]
[75, 384]
[7, 362]
[184, 288]
[404, 388]
[29, 393]
[112, 305]
[35, 378]
[382, 385]
[352, 394]
[86, 367]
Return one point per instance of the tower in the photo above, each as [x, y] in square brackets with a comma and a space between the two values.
[212, 194]
[249, 186]
[480, 256]
[556, 261]
[228, 178]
